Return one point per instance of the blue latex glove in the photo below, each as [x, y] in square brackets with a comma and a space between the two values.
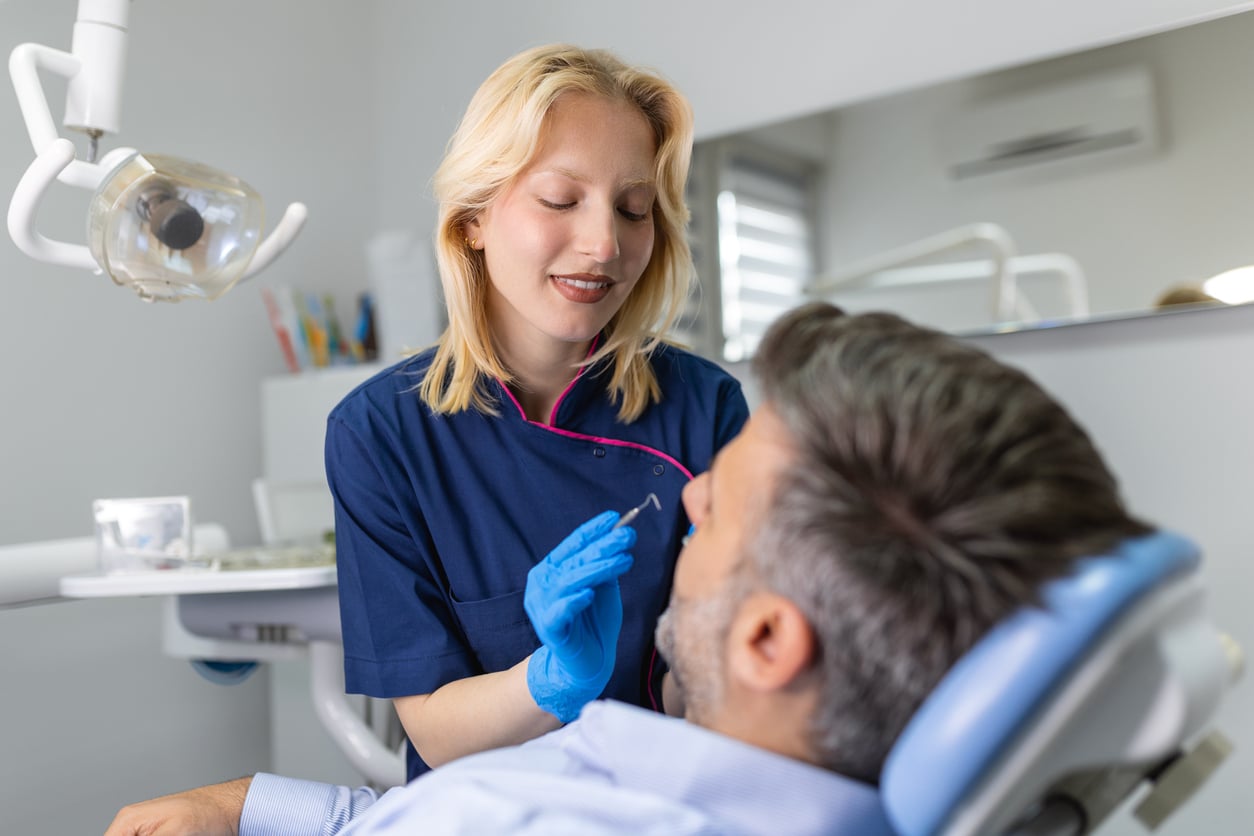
[574, 604]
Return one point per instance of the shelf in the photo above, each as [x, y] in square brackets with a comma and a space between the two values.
[196, 582]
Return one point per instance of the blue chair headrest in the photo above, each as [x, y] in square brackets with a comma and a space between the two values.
[973, 715]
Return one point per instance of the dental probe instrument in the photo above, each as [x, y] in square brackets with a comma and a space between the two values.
[635, 512]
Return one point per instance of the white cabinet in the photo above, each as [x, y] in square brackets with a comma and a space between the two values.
[294, 415]
[294, 411]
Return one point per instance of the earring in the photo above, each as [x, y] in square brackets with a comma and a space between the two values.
[470, 242]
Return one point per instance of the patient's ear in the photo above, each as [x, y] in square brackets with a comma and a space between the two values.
[771, 643]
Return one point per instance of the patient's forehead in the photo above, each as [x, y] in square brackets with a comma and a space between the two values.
[727, 503]
[745, 473]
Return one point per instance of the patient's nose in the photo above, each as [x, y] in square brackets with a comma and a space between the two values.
[696, 498]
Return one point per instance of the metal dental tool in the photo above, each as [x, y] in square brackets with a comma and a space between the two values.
[635, 512]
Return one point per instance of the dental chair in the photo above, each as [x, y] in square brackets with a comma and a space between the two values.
[1063, 711]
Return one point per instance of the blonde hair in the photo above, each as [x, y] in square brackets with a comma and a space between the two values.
[498, 136]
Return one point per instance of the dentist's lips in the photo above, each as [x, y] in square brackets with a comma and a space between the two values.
[584, 288]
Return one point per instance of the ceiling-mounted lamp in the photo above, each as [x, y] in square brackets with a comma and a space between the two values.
[167, 228]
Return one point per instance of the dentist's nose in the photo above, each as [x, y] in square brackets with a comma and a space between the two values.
[599, 235]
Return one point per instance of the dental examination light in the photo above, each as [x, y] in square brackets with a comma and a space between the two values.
[167, 228]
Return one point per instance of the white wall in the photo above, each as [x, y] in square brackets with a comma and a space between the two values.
[742, 63]
[1136, 224]
[1165, 398]
[107, 396]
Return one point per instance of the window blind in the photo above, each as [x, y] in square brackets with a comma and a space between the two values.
[753, 241]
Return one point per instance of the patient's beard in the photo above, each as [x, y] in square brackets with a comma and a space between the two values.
[691, 636]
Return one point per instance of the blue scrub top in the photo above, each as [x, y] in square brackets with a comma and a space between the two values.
[438, 518]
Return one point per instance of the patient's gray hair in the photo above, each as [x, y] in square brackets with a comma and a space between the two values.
[935, 489]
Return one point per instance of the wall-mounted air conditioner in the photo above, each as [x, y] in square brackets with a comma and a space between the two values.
[1100, 115]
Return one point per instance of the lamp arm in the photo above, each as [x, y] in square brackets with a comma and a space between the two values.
[47, 167]
[278, 240]
[26, 197]
[24, 63]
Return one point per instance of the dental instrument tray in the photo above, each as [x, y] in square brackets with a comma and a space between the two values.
[221, 569]
[290, 556]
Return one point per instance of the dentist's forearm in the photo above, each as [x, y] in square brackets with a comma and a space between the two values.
[473, 715]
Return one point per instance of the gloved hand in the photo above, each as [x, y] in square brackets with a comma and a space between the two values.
[574, 604]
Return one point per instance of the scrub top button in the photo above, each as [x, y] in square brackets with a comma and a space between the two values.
[599, 452]
[659, 469]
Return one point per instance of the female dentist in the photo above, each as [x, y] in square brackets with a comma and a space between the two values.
[459, 473]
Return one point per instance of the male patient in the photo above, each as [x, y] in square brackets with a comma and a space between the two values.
[897, 493]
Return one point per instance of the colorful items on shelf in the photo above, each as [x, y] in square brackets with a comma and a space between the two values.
[309, 332]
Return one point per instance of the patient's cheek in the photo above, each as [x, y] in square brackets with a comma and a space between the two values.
[664, 637]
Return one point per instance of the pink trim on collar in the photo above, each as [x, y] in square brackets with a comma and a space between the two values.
[591, 350]
[648, 684]
[600, 439]
[617, 443]
[553, 415]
